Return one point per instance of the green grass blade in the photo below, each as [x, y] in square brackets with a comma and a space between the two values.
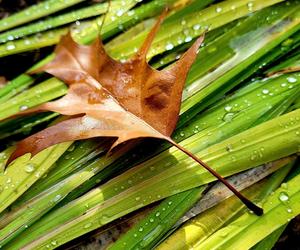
[23, 172]
[148, 238]
[34, 12]
[13, 223]
[76, 156]
[40, 93]
[195, 231]
[15, 86]
[229, 128]
[282, 205]
[171, 34]
[255, 146]
[269, 242]
[159, 221]
[54, 22]
[24, 125]
[234, 60]
[119, 18]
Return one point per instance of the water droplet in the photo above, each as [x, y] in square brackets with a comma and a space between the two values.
[23, 107]
[196, 26]
[141, 229]
[120, 12]
[29, 168]
[137, 198]
[188, 39]
[157, 214]
[227, 108]
[250, 6]
[151, 220]
[291, 79]
[218, 9]
[265, 91]
[135, 235]
[182, 134]
[57, 198]
[54, 243]
[8, 180]
[10, 47]
[283, 197]
[228, 117]
[88, 225]
[169, 46]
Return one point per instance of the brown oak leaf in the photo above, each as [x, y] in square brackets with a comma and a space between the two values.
[114, 99]
[108, 98]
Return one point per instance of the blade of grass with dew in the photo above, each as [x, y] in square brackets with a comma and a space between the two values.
[269, 136]
[212, 126]
[89, 171]
[75, 157]
[282, 205]
[168, 213]
[269, 242]
[245, 179]
[118, 18]
[135, 229]
[239, 55]
[195, 231]
[165, 180]
[23, 124]
[16, 86]
[210, 37]
[43, 92]
[171, 34]
[34, 12]
[13, 225]
[23, 172]
[143, 234]
[54, 21]
[77, 154]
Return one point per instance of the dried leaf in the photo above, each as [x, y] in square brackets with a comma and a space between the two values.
[110, 98]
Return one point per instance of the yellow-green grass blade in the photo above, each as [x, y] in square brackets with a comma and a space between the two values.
[34, 12]
[279, 208]
[166, 220]
[117, 19]
[40, 93]
[23, 172]
[251, 148]
[195, 231]
[233, 63]
[54, 21]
